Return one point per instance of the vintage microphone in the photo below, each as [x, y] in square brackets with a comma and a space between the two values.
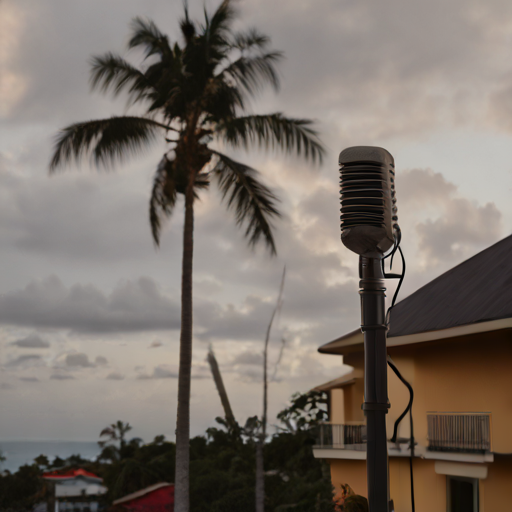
[369, 228]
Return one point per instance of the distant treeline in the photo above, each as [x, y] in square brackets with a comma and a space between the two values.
[222, 466]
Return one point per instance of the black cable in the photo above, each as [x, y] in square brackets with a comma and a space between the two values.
[401, 278]
[408, 409]
[394, 276]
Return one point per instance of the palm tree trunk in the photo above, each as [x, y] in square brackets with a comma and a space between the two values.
[260, 477]
[260, 445]
[219, 383]
[260, 468]
[181, 482]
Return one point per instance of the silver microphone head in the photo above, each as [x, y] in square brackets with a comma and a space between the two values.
[369, 221]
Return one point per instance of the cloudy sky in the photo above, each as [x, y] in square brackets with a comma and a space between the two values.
[89, 310]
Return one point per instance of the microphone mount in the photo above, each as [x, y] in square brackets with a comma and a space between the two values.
[369, 227]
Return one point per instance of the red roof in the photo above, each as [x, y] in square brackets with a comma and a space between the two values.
[70, 474]
[155, 498]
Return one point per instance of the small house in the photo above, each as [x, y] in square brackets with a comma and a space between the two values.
[74, 490]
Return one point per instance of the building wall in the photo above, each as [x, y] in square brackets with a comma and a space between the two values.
[352, 472]
[397, 392]
[466, 374]
[352, 399]
[337, 408]
[471, 374]
[496, 489]
[429, 489]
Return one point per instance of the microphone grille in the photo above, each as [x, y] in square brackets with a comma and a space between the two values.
[369, 220]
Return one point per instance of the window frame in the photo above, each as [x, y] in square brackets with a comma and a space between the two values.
[476, 491]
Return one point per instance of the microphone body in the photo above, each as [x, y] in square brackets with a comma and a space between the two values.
[369, 227]
[368, 205]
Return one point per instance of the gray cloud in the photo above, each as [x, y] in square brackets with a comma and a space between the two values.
[100, 361]
[115, 376]
[132, 306]
[447, 226]
[248, 358]
[5, 386]
[164, 371]
[155, 344]
[78, 361]
[417, 188]
[44, 28]
[26, 360]
[463, 225]
[61, 376]
[29, 379]
[31, 341]
[379, 69]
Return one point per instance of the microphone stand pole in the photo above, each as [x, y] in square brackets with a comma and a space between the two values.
[376, 403]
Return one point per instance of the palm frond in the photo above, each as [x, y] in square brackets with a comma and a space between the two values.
[111, 71]
[201, 182]
[222, 100]
[215, 37]
[221, 20]
[250, 39]
[145, 33]
[167, 184]
[252, 73]
[163, 197]
[107, 140]
[188, 29]
[273, 131]
[253, 203]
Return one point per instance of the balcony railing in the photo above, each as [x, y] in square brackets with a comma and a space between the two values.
[459, 432]
[341, 437]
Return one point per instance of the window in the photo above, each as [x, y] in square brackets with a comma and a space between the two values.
[462, 494]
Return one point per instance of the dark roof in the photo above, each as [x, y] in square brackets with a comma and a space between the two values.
[477, 290]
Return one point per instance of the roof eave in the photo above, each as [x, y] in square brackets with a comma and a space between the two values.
[354, 341]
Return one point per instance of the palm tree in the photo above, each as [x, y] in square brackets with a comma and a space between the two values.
[115, 432]
[194, 94]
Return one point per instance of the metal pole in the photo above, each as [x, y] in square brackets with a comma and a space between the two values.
[376, 404]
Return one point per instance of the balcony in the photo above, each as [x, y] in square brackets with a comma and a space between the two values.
[340, 437]
[459, 432]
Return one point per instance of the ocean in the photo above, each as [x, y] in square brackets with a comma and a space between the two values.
[18, 453]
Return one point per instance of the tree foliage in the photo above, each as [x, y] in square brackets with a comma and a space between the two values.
[194, 94]
[305, 411]
[222, 470]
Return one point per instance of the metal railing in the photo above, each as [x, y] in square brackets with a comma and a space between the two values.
[342, 437]
[459, 432]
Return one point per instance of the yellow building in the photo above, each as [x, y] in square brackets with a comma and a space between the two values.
[452, 341]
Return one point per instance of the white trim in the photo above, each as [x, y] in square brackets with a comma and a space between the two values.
[403, 451]
[333, 453]
[410, 339]
[459, 457]
[458, 469]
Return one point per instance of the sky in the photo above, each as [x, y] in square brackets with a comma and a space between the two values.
[90, 310]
